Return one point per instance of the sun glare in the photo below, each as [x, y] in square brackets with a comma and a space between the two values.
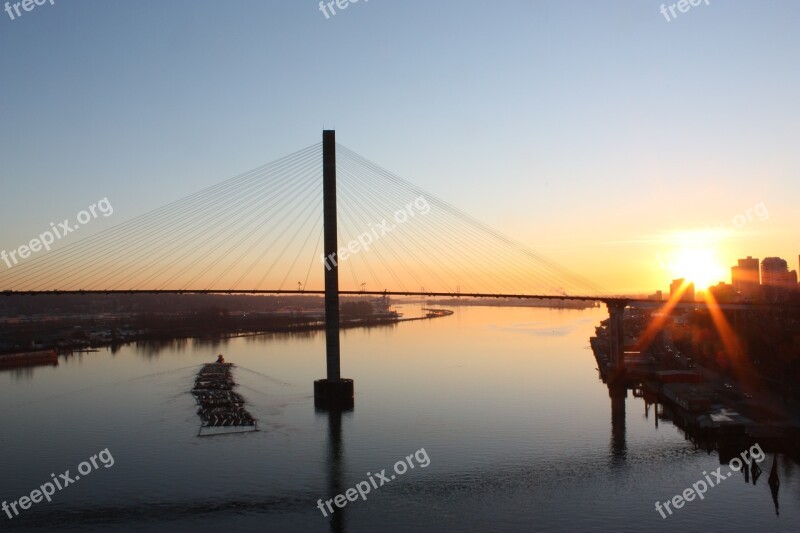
[699, 266]
[695, 258]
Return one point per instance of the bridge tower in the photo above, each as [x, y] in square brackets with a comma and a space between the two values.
[616, 334]
[333, 392]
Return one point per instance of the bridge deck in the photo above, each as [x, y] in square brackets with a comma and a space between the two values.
[618, 300]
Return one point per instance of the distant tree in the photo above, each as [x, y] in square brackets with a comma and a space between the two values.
[359, 309]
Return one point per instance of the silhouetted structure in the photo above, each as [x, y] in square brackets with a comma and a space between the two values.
[777, 279]
[679, 285]
[616, 337]
[745, 278]
[332, 392]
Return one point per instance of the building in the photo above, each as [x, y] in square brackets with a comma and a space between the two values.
[745, 278]
[657, 296]
[776, 278]
[723, 292]
[677, 286]
[773, 271]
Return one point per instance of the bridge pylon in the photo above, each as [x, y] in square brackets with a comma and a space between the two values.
[616, 334]
[333, 392]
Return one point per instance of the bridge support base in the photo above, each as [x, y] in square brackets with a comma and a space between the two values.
[334, 395]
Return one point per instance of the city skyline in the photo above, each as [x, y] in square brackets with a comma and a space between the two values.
[741, 274]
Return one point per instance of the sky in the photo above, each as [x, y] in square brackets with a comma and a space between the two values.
[596, 132]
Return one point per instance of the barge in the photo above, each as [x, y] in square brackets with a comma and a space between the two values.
[24, 359]
[221, 410]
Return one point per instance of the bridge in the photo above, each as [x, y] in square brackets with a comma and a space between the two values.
[234, 237]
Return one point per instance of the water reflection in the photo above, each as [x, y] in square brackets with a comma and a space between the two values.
[152, 349]
[729, 447]
[774, 483]
[20, 374]
[618, 394]
[335, 466]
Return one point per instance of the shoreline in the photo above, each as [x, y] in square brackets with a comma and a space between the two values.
[197, 332]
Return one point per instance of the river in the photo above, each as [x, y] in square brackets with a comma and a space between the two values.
[505, 402]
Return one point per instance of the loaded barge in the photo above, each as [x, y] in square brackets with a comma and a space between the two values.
[221, 410]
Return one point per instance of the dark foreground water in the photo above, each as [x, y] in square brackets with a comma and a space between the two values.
[505, 402]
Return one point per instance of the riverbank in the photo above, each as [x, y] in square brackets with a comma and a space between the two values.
[714, 411]
[67, 338]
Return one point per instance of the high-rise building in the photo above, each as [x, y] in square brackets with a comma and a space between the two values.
[772, 270]
[745, 278]
[677, 286]
[777, 278]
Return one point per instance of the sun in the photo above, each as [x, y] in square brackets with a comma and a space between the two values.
[695, 258]
[699, 266]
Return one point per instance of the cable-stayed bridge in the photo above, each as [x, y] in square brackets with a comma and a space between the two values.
[262, 231]
[323, 220]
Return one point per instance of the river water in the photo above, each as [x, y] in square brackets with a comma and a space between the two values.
[505, 402]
